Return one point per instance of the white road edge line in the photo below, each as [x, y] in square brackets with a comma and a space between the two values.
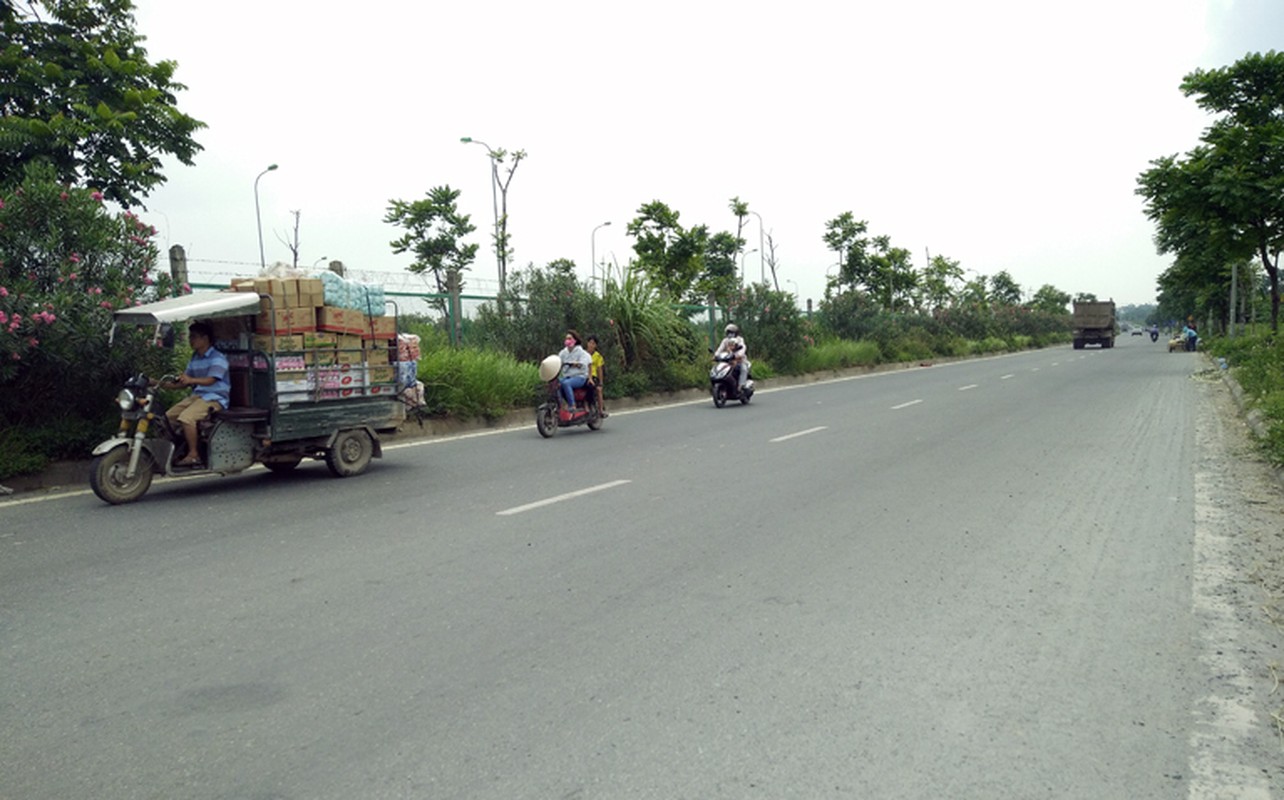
[799, 433]
[969, 386]
[1005, 377]
[549, 501]
[906, 405]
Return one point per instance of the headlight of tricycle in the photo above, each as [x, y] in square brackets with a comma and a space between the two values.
[125, 400]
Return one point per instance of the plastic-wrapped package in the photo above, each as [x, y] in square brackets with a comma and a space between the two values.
[413, 396]
[407, 373]
[367, 298]
[407, 347]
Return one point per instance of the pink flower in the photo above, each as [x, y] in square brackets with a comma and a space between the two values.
[97, 196]
[15, 356]
[4, 318]
[4, 292]
[147, 280]
[63, 195]
[187, 288]
[71, 277]
[33, 341]
[73, 258]
[105, 304]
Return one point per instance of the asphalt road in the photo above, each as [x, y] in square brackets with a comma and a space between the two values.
[969, 580]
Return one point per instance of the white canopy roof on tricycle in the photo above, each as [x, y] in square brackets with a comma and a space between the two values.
[198, 305]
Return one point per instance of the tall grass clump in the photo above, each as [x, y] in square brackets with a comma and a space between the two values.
[476, 383]
[832, 354]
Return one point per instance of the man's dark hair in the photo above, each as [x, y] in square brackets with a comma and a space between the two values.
[203, 328]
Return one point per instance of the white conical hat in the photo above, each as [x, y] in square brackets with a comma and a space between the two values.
[549, 367]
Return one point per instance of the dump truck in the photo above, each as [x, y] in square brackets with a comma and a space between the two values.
[1094, 323]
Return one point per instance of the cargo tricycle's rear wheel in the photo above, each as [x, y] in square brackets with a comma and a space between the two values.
[350, 454]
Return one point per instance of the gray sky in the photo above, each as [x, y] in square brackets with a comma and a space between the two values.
[1006, 134]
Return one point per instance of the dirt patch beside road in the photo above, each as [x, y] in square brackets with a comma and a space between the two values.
[1238, 601]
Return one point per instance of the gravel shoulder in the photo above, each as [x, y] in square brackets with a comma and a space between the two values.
[1237, 743]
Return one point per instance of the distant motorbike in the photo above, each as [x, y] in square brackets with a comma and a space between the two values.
[723, 384]
[551, 415]
[1154, 334]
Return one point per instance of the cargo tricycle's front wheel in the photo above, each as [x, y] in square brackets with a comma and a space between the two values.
[108, 479]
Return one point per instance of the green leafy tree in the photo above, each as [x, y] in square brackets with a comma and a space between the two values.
[1051, 300]
[670, 256]
[1004, 290]
[1225, 199]
[434, 234]
[740, 210]
[889, 274]
[81, 96]
[1085, 297]
[719, 277]
[870, 263]
[843, 234]
[938, 280]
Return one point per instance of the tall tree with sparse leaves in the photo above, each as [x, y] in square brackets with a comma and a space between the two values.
[434, 234]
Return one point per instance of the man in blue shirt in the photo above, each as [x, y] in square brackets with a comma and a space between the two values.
[206, 373]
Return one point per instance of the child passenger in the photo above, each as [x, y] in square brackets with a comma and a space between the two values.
[597, 372]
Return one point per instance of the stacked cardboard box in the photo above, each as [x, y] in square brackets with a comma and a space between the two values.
[320, 352]
[286, 306]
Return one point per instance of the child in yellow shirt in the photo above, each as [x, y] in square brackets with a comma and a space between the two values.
[597, 371]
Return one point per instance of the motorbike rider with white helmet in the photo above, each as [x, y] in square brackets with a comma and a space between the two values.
[734, 343]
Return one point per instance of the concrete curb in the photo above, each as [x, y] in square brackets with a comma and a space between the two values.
[1252, 416]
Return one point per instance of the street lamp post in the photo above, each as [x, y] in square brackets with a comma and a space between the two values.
[318, 261]
[742, 264]
[593, 251]
[494, 201]
[258, 218]
[762, 250]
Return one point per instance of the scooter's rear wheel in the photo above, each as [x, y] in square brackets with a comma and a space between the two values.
[546, 420]
[108, 480]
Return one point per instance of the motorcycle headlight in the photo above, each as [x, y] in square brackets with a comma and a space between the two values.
[125, 400]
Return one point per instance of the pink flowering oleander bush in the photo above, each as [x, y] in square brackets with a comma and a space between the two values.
[66, 264]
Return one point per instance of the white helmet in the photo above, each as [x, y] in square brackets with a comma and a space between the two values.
[732, 330]
[549, 368]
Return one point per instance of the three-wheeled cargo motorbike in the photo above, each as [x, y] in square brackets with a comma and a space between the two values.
[286, 405]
